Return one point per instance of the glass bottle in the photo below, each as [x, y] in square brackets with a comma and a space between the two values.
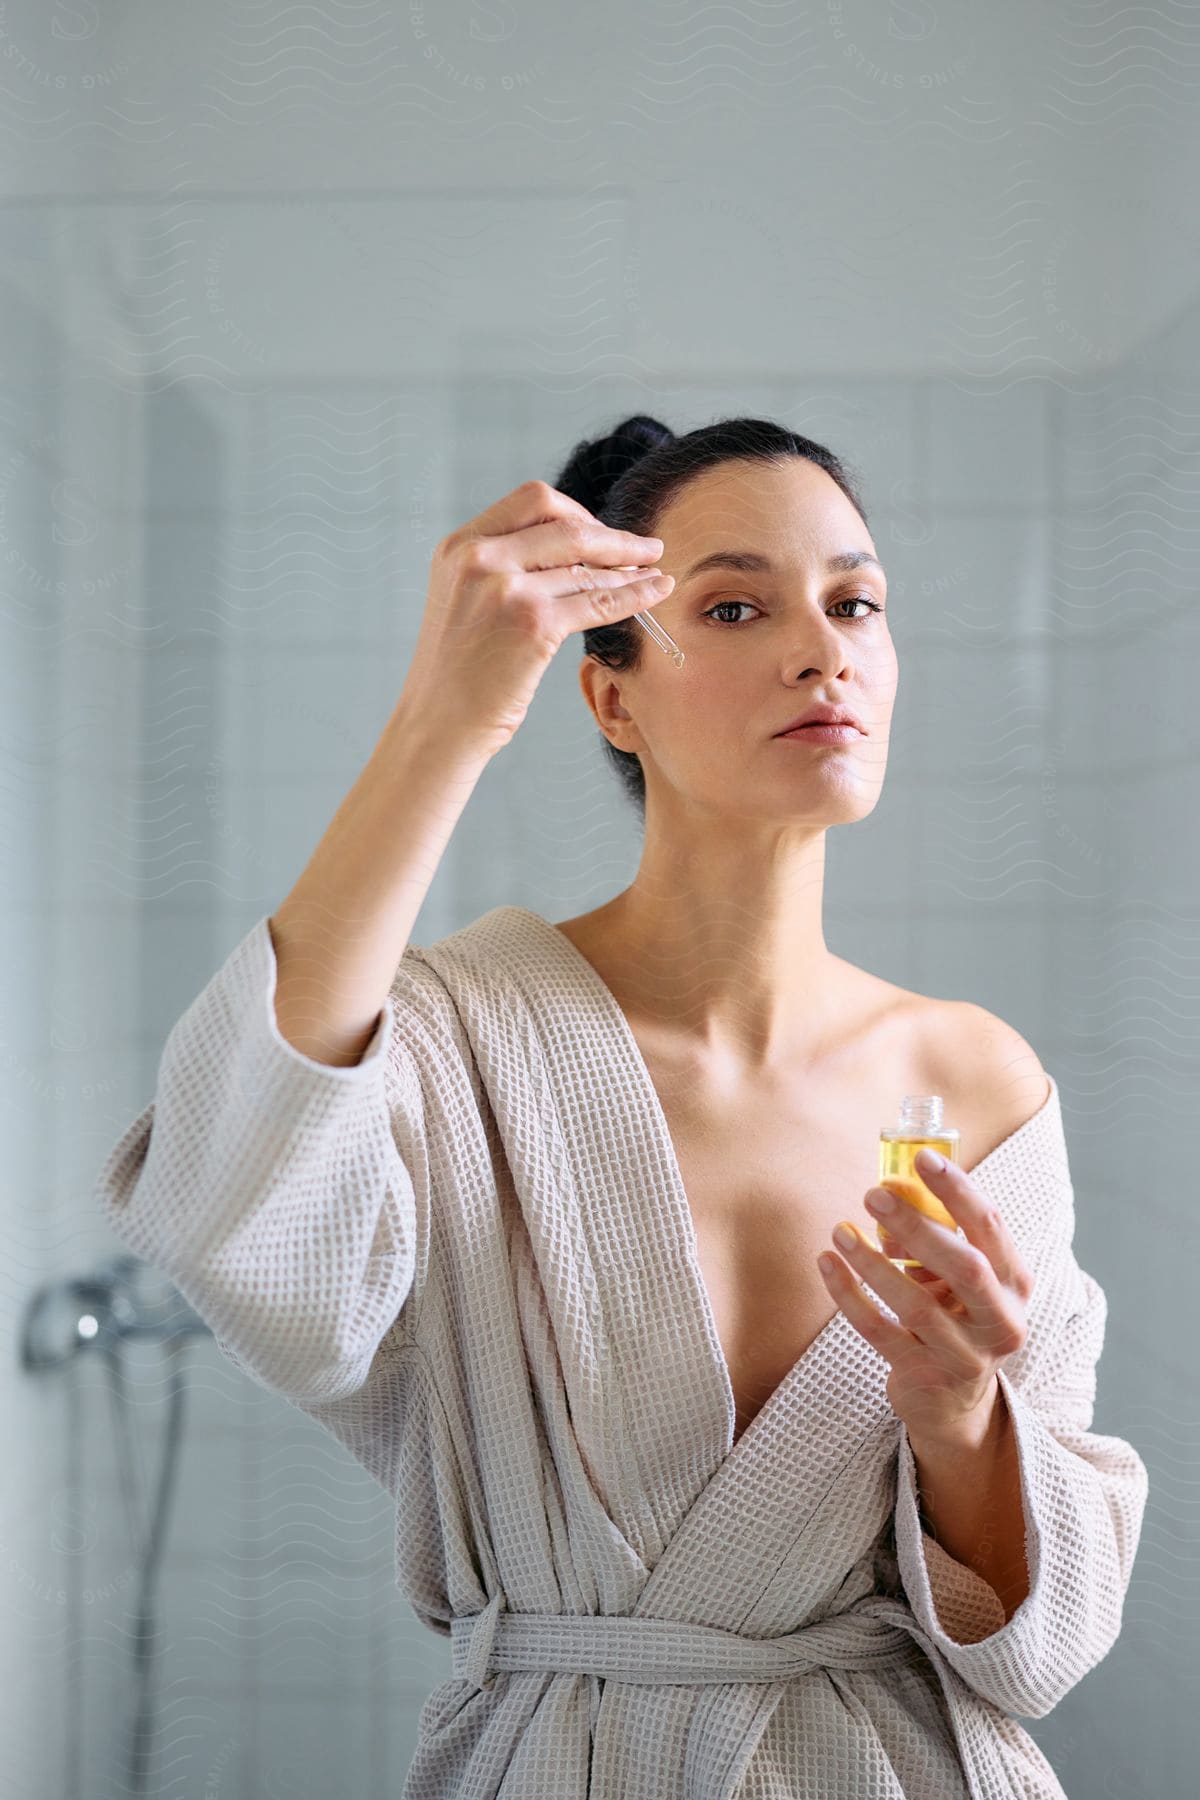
[920, 1123]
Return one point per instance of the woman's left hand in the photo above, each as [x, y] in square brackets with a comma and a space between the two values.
[960, 1314]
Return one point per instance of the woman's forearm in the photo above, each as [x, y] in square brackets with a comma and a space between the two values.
[971, 1501]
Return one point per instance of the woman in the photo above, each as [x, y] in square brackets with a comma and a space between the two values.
[529, 1218]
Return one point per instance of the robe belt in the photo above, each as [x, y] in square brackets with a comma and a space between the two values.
[625, 1648]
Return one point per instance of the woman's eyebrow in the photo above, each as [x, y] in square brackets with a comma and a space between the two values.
[750, 562]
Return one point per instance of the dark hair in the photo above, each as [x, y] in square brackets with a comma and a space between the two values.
[629, 476]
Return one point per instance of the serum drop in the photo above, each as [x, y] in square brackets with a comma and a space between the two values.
[920, 1124]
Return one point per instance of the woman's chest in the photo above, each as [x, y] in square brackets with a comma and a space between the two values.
[767, 1173]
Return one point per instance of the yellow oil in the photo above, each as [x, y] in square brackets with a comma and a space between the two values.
[897, 1155]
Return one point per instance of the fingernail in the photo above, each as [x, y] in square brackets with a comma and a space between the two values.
[930, 1160]
[845, 1237]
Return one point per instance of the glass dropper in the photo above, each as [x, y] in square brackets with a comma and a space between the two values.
[652, 628]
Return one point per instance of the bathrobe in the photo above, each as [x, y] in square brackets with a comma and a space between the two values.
[470, 1258]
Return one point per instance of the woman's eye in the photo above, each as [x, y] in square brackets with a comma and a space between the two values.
[721, 604]
[860, 600]
[853, 600]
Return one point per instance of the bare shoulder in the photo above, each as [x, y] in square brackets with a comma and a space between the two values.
[990, 1078]
[988, 1071]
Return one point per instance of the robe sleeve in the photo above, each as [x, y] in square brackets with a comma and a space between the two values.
[1083, 1494]
[274, 1189]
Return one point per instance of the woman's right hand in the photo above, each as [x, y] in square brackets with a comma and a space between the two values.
[503, 595]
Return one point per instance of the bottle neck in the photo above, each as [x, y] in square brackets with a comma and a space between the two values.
[921, 1113]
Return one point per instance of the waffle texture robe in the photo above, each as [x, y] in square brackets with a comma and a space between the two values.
[470, 1257]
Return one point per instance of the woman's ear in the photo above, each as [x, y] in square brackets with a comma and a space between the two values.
[602, 694]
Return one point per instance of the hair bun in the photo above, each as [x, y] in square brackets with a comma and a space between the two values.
[595, 465]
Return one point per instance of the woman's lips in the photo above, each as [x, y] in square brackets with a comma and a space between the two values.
[823, 734]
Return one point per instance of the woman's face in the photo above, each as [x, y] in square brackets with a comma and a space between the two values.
[761, 646]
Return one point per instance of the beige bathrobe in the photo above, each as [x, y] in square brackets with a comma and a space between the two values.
[470, 1258]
